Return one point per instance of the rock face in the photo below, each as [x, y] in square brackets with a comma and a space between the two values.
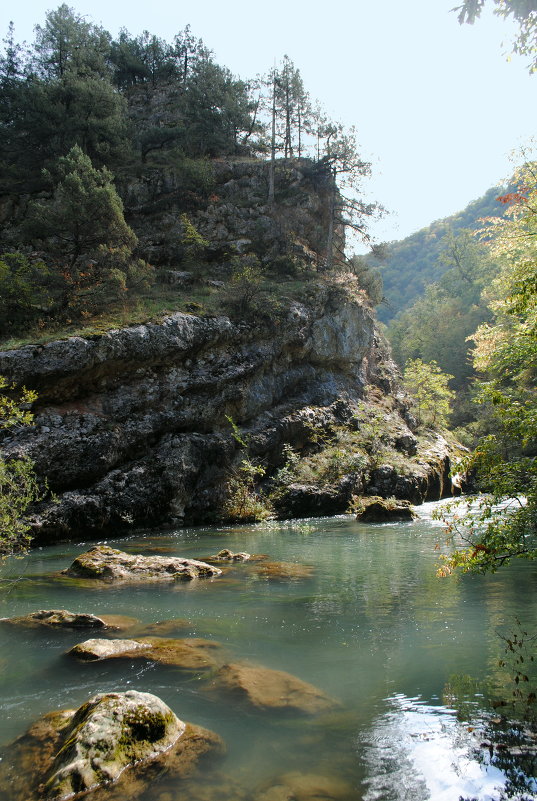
[109, 564]
[132, 426]
[112, 747]
[266, 689]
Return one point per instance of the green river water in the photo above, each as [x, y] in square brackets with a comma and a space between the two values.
[401, 650]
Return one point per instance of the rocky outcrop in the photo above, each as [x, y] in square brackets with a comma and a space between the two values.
[109, 564]
[132, 426]
[114, 746]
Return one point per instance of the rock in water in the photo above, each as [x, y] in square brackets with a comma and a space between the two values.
[380, 510]
[93, 650]
[103, 562]
[186, 654]
[108, 734]
[228, 556]
[271, 689]
[58, 618]
[115, 747]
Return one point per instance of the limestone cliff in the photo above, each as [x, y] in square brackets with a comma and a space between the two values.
[131, 426]
[135, 426]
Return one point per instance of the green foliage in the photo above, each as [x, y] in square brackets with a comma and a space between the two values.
[193, 242]
[524, 12]
[84, 233]
[504, 524]
[410, 265]
[243, 502]
[369, 278]
[246, 285]
[28, 292]
[18, 483]
[428, 385]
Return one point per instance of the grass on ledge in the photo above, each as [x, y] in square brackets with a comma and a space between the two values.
[152, 305]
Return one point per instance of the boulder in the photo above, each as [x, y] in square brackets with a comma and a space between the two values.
[312, 500]
[109, 564]
[382, 510]
[267, 689]
[114, 746]
[186, 654]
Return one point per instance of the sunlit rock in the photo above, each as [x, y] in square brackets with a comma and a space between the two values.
[382, 510]
[186, 654]
[115, 746]
[109, 564]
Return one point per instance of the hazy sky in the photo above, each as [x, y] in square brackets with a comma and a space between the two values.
[437, 107]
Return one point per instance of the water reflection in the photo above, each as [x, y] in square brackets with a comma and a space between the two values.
[417, 751]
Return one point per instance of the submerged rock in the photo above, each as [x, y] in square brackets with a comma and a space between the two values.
[109, 564]
[268, 689]
[163, 628]
[297, 786]
[282, 571]
[381, 510]
[113, 747]
[187, 654]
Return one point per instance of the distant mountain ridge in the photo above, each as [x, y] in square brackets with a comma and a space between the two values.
[410, 264]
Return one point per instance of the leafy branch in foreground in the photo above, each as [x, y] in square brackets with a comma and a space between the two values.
[18, 483]
[504, 523]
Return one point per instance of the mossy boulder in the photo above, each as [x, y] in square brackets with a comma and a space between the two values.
[383, 510]
[115, 746]
[267, 689]
[106, 735]
[109, 564]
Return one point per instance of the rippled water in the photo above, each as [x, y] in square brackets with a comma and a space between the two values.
[372, 626]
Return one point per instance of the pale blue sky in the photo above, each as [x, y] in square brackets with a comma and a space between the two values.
[437, 106]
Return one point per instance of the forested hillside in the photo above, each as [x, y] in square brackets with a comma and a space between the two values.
[128, 162]
[408, 266]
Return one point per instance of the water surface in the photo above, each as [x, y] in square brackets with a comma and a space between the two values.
[406, 654]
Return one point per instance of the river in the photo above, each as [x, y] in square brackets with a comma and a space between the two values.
[411, 658]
